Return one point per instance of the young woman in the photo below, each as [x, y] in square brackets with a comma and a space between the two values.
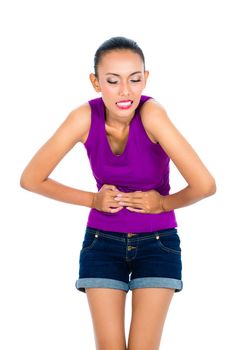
[131, 229]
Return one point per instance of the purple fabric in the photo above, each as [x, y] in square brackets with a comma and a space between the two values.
[142, 166]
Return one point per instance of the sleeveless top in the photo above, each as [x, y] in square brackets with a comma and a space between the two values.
[142, 166]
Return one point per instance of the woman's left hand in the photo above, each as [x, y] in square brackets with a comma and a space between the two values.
[141, 202]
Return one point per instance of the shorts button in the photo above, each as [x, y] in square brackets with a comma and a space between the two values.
[157, 237]
[130, 247]
[96, 235]
[131, 234]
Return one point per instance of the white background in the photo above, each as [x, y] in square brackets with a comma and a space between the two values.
[47, 50]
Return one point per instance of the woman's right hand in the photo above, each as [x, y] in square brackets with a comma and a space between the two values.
[104, 199]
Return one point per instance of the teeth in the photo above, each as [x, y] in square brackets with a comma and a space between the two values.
[124, 104]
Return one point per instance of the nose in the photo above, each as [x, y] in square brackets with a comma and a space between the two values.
[124, 89]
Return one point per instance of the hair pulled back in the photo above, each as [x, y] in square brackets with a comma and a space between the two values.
[116, 43]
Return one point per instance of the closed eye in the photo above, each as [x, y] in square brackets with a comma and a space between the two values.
[115, 82]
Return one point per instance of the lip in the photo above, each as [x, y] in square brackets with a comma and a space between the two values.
[124, 101]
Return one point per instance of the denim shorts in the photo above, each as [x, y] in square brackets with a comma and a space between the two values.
[123, 260]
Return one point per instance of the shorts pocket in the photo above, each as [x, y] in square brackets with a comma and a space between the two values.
[169, 241]
[90, 240]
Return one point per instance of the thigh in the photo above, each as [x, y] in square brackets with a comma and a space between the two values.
[107, 307]
[149, 310]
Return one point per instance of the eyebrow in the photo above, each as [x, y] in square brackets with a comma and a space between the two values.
[118, 75]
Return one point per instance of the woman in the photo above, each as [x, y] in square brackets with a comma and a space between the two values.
[131, 228]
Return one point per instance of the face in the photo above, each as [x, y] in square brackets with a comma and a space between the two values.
[121, 80]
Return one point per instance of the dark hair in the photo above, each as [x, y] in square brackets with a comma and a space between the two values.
[116, 43]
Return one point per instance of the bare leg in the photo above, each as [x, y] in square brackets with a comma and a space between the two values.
[149, 310]
[107, 308]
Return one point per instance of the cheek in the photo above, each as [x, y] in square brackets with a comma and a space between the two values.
[108, 90]
[137, 92]
[138, 88]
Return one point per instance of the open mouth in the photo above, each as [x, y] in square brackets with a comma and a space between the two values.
[124, 104]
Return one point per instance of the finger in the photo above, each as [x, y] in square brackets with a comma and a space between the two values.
[136, 210]
[114, 204]
[117, 194]
[132, 195]
[115, 189]
[122, 198]
[115, 210]
[111, 187]
[130, 203]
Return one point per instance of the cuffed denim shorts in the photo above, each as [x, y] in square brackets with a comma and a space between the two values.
[122, 260]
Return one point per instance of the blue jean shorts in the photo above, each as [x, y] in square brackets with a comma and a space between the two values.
[123, 260]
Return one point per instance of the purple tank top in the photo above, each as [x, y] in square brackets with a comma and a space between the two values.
[142, 166]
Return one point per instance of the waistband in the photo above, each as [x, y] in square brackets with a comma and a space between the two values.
[123, 235]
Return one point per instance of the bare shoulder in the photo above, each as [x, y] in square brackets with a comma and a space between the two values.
[155, 119]
[152, 112]
[152, 107]
[79, 120]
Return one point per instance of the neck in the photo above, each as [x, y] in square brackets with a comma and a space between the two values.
[118, 122]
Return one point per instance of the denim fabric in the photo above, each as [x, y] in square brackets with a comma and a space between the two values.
[123, 260]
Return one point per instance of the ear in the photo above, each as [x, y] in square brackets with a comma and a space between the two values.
[146, 74]
[95, 82]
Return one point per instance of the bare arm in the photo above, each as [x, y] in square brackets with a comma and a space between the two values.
[200, 182]
[35, 176]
